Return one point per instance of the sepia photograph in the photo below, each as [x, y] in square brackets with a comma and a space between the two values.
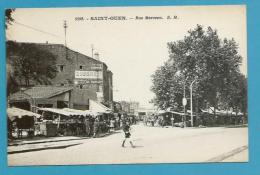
[126, 85]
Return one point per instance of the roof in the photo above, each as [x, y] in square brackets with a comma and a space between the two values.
[46, 91]
[52, 47]
[14, 113]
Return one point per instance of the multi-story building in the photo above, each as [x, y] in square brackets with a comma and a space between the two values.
[89, 77]
[129, 107]
[134, 106]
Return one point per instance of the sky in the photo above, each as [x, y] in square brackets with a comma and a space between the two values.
[132, 49]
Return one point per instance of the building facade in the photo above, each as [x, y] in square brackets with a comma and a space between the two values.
[88, 77]
[129, 107]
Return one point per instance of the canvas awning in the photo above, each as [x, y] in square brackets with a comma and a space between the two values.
[222, 112]
[98, 107]
[58, 111]
[80, 112]
[68, 111]
[14, 113]
[172, 112]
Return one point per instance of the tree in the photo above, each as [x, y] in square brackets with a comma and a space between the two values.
[166, 87]
[31, 63]
[12, 85]
[8, 17]
[203, 56]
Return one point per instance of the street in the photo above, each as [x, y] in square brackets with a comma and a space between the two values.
[153, 145]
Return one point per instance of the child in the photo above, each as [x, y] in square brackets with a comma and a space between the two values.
[126, 129]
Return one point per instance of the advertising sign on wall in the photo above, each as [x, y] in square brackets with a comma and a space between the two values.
[88, 74]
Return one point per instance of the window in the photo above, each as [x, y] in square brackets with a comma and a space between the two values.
[80, 67]
[61, 68]
[62, 104]
[45, 105]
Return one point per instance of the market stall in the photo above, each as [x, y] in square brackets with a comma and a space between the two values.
[98, 107]
[61, 122]
[21, 122]
[171, 118]
[221, 117]
[104, 115]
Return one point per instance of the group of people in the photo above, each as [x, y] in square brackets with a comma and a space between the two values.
[114, 123]
[93, 126]
[100, 124]
[155, 120]
[96, 125]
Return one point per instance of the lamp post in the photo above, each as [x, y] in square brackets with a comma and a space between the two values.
[184, 102]
[191, 107]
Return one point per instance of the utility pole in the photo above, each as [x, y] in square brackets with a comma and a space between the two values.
[65, 29]
[92, 50]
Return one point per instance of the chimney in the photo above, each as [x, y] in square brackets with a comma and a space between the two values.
[96, 56]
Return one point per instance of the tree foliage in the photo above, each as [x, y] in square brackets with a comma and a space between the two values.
[30, 63]
[213, 62]
[8, 17]
[166, 87]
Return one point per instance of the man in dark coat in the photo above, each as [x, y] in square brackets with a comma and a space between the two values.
[126, 129]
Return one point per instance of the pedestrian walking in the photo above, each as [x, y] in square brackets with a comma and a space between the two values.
[126, 129]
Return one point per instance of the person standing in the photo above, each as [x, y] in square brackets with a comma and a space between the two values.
[172, 121]
[152, 120]
[96, 127]
[87, 124]
[112, 124]
[126, 129]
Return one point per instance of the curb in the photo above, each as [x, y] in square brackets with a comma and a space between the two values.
[43, 148]
[51, 147]
[47, 141]
[228, 154]
[62, 140]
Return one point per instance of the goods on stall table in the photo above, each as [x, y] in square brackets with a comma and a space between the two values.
[48, 129]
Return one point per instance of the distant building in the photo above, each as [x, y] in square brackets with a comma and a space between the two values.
[89, 78]
[129, 107]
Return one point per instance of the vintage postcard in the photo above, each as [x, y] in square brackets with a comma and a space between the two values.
[126, 85]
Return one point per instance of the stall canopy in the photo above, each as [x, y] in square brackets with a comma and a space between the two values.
[14, 113]
[68, 111]
[172, 112]
[80, 112]
[98, 107]
[222, 112]
[58, 111]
